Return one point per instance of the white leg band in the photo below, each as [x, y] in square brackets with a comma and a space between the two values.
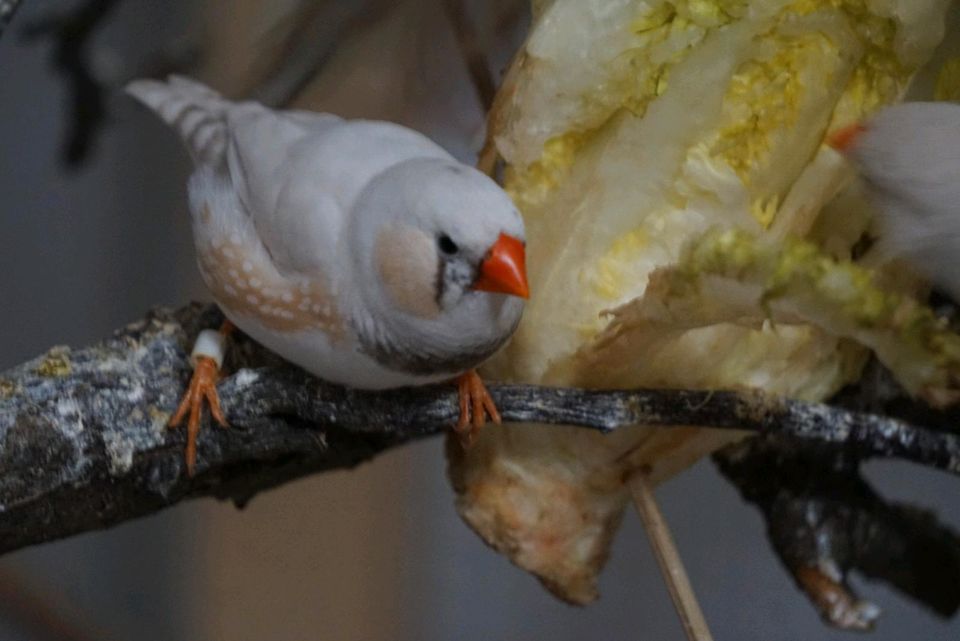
[212, 344]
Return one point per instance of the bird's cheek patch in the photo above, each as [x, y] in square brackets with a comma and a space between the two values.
[406, 261]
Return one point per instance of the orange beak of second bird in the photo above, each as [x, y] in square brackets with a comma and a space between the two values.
[504, 269]
[845, 138]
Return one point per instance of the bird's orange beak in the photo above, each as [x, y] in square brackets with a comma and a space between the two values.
[843, 139]
[504, 269]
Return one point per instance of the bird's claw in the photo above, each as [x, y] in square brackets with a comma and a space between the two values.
[203, 386]
[475, 405]
[837, 604]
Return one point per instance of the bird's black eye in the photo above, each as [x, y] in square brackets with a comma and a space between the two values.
[446, 244]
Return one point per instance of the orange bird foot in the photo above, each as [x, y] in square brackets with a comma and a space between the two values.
[837, 605]
[475, 405]
[203, 386]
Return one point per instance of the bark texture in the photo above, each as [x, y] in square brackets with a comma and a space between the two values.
[84, 443]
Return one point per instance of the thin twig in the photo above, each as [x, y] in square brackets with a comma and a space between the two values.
[317, 32]
[487, 160]
[478, 67]
[668, 558]
[472, 51]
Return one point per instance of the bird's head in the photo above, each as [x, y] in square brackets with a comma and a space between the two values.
[909, 151]
[441, 236]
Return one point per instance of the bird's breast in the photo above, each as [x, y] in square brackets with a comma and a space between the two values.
[447, 345]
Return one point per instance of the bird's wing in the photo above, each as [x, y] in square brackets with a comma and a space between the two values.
[262, 145]
[245, 139]
[299, 176]
[296, 173]
[253, 148]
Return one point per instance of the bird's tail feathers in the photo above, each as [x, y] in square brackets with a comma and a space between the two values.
[197, 112]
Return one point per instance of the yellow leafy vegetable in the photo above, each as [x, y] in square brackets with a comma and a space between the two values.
[666, 156]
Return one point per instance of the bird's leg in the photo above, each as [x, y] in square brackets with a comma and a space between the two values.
[837, 604]
[207, 359]
[475, 405]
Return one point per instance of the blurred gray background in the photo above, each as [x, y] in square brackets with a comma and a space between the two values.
[375, 553]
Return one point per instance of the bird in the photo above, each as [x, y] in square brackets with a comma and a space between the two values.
[908, 159]
[359, 250]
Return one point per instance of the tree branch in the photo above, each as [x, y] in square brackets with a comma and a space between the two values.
[84, 443]
[825, 521]
[7, 9]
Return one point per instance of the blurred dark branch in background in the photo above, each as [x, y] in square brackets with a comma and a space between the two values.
[7, 9]
[85, 444]
[317, 31]
[43, 614]
[472, 50]
[71, 33]
[305, 42]
[824, 521]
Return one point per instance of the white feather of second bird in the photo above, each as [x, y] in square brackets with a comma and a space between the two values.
[909, 159]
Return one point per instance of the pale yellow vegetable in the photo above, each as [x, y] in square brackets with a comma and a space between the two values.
[666, 156]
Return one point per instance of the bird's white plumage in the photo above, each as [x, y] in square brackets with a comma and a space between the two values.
[909, 158]
[294, 218]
